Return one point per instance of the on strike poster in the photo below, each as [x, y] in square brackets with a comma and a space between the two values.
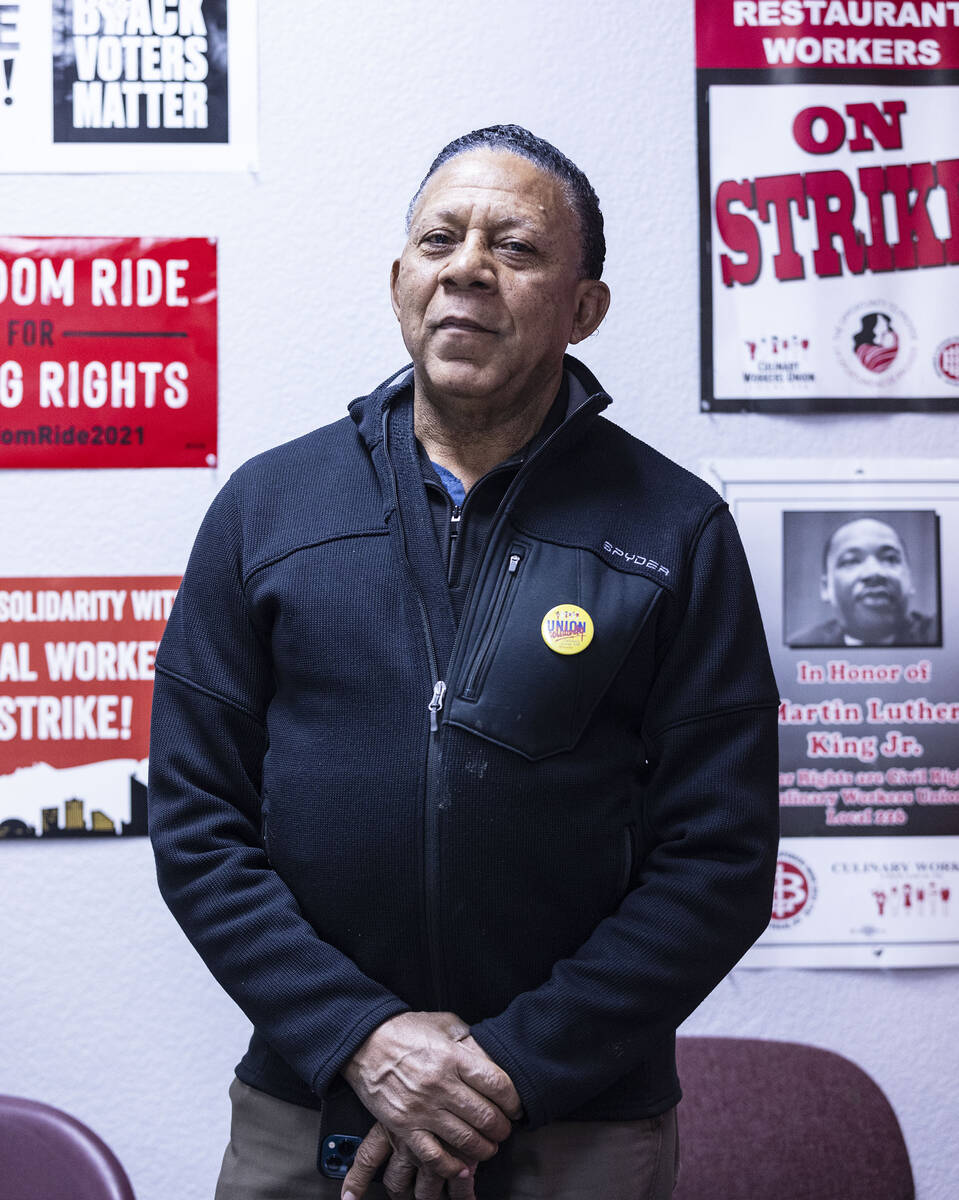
[76, 679]
[108, 352]
[128, 85]
[829, 202]
[857, 571]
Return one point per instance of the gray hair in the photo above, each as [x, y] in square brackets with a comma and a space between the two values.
[514, 139]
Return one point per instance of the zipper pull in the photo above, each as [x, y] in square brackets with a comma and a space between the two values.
[455, 518]
[514, 561]
[436, 703]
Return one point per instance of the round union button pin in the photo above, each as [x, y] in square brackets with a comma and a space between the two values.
[567, 629]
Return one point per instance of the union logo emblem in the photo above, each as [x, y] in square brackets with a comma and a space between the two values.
[946, 360]
[794, 890]
[567, 629]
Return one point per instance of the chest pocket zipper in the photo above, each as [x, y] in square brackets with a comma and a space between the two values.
[499, 611]
[265, 830]
[629, 855]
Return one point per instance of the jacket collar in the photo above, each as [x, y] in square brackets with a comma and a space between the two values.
[584, 388]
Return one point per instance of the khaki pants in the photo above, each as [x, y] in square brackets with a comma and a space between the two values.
[272, 1155]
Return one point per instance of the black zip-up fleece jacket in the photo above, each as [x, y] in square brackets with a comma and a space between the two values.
[359, 809]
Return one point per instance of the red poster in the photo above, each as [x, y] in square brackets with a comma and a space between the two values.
[829, 200]
[76, 681]
[833, 34]
[108, 352]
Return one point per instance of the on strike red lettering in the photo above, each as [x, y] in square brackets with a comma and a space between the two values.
[781, 191]
[739, 233]
[835, 132]
[918, 244]
[821, 187]
[948, 175]
[834, 195]
[887, 132]
[872, 183]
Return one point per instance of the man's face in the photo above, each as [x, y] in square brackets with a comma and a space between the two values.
[868, 579]
[488, 290]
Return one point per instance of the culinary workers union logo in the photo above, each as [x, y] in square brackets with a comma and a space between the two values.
[946, 361]
[794, 891]
[567, 629]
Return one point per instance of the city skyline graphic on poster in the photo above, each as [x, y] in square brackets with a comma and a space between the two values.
[99, 801]
[77, 661]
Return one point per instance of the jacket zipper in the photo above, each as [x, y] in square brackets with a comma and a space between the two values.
[455, 517]
[516, 484]
[435, 705]
[433, 758]
[498, 611]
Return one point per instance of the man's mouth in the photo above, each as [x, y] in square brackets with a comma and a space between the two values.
[875, 597]
[465, 324]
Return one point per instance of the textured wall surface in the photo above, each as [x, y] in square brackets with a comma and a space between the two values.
[105, 1009]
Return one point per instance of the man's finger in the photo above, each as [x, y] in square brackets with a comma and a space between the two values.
[462, 1187]
[432, 1155]
[483, 1075]
[487, 1118]
[461, 1138]
[453, 1026]
[429, 1185]
[374, 1149]
[400, 1176]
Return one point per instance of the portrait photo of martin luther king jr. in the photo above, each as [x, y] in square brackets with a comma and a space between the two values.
[861, 578]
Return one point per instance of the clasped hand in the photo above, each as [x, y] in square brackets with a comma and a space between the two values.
[441, 1104]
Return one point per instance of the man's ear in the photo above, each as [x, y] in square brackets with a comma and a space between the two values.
[592, 303]
[394, 280]
[825, 590]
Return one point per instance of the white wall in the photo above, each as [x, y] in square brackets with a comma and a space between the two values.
[105, 1009]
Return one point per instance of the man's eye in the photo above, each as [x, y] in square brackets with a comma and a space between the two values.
[516, 247]
[848, 560]
[436, 239]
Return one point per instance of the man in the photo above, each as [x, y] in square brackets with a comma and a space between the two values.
[867, 580]
[464, 745]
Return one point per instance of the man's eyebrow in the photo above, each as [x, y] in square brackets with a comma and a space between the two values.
[881, 548]
[518, 220]
[456, 217]
[442, 214]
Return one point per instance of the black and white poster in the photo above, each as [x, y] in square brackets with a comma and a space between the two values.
[128, 85]
[856, 566]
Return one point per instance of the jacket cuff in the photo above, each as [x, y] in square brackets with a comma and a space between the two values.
[533, 1108]
[328, 1070]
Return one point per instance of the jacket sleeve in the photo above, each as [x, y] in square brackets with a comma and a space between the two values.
[704, 891]
[213, 686]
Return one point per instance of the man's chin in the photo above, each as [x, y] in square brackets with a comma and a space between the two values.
[874, 625]
[463, 379]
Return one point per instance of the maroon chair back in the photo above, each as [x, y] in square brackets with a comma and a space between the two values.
[46, 1154]
[762, 1119]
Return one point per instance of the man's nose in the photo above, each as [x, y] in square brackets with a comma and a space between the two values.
[470, 265]
[873, 568]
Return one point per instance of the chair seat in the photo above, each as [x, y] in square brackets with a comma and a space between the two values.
[45, 1154]
[767, 1120]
